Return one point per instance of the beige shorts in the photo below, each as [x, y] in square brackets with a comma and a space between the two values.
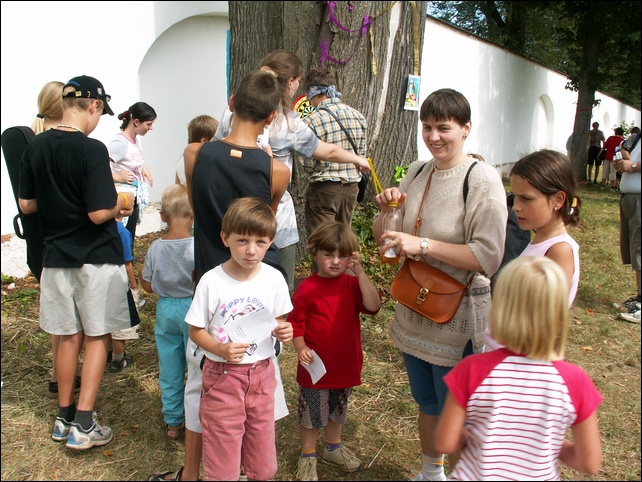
[91, 299]
[132, 333]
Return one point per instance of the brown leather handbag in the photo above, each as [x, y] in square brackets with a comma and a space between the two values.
[425, 289]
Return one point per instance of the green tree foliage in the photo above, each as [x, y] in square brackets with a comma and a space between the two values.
[595, 44]
[556, 35]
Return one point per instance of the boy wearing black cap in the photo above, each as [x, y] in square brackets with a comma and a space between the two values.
[65, 177]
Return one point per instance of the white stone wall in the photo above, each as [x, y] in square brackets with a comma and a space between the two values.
[173, 55]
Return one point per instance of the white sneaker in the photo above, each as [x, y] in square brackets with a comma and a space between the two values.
[61, 430]
[94, 437]
[342, 458]
[632, 316]
[628, 305]
[307, 469]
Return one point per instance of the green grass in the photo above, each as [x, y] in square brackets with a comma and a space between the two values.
[382, 424]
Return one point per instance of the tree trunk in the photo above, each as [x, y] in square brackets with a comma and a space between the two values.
[372, 72]
[586, 86]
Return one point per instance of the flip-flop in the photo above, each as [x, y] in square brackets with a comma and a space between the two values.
[175, 475]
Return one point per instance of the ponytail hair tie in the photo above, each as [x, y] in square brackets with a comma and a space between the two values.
[40, 116]
[574, 203]
[269, 71]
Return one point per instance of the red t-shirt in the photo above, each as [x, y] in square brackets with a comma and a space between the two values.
[610, 145]
[326, 314]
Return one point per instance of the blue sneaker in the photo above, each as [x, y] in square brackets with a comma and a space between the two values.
[96, 436]
[61, 430]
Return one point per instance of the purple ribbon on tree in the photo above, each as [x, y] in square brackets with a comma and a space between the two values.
[324, 45]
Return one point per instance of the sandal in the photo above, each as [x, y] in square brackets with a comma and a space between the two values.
[174, 475]
[178, 429]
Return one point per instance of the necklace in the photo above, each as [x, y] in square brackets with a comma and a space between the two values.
[69, 127]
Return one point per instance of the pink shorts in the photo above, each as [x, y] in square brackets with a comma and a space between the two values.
[237, 415]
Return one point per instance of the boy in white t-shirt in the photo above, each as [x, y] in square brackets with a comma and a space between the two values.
[237, 417]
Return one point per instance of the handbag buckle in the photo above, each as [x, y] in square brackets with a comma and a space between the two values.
[423, 292]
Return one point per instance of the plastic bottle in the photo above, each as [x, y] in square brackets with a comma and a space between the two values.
[391, 222]
[618, 154]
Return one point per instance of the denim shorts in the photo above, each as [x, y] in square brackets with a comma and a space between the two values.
[427, 381]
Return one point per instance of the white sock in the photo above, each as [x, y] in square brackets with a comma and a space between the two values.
[432, 467]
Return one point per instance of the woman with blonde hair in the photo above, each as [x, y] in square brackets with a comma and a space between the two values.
[49, 107]
[49, 115]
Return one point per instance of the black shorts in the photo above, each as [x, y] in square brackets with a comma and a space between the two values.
[592, 156]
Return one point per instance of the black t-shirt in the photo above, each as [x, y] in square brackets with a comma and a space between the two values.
[219, 177]
[69, 176]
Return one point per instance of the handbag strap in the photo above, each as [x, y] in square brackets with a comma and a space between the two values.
[415, 230]
[354, 146]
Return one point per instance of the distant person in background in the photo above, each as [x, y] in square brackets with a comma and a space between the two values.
[128, 163]
[608, 171]
[200, 129]
[596, 138]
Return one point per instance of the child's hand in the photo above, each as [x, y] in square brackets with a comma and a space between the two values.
[129, 198]
[233, 352]
[305, 355]
[354, 263]
[284, 332]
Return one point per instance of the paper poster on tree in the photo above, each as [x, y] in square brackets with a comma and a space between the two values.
[412, 93]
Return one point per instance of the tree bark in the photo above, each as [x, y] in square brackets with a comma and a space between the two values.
[586, 87]
[372, 72]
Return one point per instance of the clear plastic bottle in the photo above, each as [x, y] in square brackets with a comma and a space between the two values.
[391, 221]
[618, 154]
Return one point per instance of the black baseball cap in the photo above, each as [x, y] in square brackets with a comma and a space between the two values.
[89, 88]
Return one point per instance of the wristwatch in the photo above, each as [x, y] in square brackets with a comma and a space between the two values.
[634, 166]
[424, 246]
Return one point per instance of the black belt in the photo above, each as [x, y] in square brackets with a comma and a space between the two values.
[631, 193]
[336, 182]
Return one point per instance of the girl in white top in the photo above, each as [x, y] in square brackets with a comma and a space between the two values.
[128, 163]
[544, 185]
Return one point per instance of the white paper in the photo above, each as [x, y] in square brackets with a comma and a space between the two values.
[316, 368]
[253, 327]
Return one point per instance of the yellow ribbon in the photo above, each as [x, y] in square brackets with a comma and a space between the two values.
[416, 37]
[375, 179]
